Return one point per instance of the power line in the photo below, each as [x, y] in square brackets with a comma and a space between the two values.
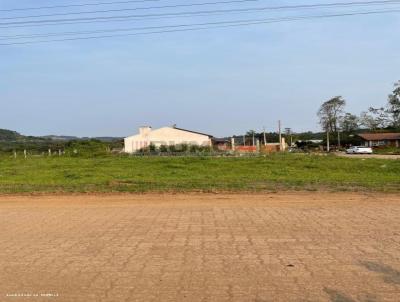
[281, 19]
[190, 13]
[205, 26]
[122, 19]
[75, 5]
[132, 29]
[131, 9]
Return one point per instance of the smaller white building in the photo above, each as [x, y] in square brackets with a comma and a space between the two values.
[167, 136]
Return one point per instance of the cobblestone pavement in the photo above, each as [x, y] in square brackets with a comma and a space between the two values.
[268, 247]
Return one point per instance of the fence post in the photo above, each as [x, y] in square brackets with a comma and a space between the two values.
[49, 152]
[59, 152]
[25, 154]
[15, 154]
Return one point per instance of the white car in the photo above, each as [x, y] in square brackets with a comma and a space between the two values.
[359, 150]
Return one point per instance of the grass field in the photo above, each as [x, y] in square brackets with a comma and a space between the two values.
[145, 174]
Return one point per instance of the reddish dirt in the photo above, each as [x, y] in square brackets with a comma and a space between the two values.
[200, 247]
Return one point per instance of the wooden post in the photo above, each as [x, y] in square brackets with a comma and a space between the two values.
[59, 152]
[49, 152]
[280, 135]
[25, 154]
[15, 154]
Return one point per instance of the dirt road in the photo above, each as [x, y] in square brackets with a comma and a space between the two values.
[378, 156]
[270, 247]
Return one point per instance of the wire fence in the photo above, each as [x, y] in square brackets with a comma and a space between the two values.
[26, 154]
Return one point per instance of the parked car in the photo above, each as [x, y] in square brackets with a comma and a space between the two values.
[359, 150]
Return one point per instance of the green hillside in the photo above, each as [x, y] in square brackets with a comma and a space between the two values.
[8, 135]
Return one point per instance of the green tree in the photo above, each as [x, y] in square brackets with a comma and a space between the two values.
[163, 148]
[251, 135]
[393, 106]
[152, 147]
[384, 117]
[330, 113]
[349, 123]
[374, 118]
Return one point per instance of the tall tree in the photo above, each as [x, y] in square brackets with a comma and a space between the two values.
[374, 118]
[349, 123]
[330, 113]
[393, 106]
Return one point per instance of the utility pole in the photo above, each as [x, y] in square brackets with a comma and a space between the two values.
[288, 132]
[265, 137]
[254, 143]
[338, 138]
[280, 135]
[327, 141]
[244, 140]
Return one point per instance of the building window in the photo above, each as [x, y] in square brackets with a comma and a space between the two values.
[378, 143]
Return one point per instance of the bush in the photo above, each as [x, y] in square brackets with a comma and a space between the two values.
[387, 150]
[163, 148]
[88, 148]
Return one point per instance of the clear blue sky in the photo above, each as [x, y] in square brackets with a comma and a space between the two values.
[220, 81]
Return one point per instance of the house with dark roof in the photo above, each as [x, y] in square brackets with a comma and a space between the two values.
[381, 139]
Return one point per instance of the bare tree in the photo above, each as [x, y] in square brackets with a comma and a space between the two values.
[383, 117]
[375, 118]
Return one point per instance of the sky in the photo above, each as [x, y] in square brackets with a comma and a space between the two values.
[221, 81]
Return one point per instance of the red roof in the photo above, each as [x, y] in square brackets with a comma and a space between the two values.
[380, 136]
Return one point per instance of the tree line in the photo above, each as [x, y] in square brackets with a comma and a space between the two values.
[334, 119]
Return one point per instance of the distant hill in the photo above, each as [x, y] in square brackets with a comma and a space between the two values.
[74, 138]
[14, 136]
[12, 140]
[60, 137]
[8, 135]
[108, 138]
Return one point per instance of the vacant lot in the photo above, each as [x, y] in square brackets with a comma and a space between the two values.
[271, 247]
[144, 174]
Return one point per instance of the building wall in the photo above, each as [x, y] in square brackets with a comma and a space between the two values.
[164, 136]
[382, 143]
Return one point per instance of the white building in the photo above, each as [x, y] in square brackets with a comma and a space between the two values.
[167, 136]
